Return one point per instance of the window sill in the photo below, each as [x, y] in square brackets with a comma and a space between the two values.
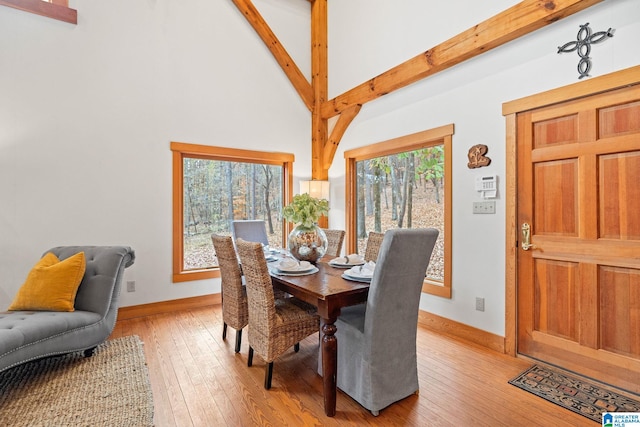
[39, 7]
[436, 288]
[187, 276]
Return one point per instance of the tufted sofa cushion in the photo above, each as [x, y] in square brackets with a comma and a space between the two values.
[105, 265]
[20, 328]
[29, 335]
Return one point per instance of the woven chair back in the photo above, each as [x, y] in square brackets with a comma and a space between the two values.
[235, 312]
[372, 248]
[335, 238]
[260, 295]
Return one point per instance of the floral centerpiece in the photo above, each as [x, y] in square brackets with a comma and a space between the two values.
[305, 210]
[307, 241]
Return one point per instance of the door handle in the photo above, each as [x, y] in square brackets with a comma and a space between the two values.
[526, 237]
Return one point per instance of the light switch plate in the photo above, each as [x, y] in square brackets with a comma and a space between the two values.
[487, 207]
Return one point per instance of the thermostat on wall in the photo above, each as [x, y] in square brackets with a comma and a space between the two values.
[487, 185]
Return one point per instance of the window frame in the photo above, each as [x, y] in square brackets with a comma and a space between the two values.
[441, 135]
[55, 9]
[180, 151]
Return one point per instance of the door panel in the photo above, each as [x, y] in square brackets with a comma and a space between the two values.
[620, 196]
[556, 188]
[620, 119]
[578, 188]
[555, 294]
[620, 298]
[555, 131]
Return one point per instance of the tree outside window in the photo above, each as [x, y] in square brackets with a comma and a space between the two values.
[404, 183]
[403, 191]
[214, 186]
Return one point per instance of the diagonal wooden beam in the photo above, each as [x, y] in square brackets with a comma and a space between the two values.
[57, 9]
[345, 119]
[525, 17]
[298, 80]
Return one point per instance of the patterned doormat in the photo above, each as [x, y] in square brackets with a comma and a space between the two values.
[573, 392]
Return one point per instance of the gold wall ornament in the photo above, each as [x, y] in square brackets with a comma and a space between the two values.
[477, 157]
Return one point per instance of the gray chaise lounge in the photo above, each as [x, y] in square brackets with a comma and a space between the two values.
[30, 335]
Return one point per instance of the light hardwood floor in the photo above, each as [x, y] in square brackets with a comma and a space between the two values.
[198, 380]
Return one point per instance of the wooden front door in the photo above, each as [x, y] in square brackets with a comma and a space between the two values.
[578, 192]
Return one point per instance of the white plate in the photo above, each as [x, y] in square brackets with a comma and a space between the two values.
[294, 269]
[278, 272]
[356, 279]
[355, 272]
[341, 265]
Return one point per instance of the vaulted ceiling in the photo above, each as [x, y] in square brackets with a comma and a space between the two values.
[514, 22]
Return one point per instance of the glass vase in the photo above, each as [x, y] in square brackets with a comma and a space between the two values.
[307, 243]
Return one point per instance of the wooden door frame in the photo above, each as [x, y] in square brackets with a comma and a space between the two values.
[627, 77]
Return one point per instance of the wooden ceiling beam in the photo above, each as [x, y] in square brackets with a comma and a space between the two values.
[298, 80]
[523, 18]
[331, 146]
[57, 9]
[320, 85]
[324, 146]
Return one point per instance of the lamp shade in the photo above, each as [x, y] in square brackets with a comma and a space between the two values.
[315, 188]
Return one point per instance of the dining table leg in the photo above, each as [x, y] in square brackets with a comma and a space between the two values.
[329, 365]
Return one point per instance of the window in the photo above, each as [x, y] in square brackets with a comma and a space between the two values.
[404, 183]
[56, 9]
[213, 186]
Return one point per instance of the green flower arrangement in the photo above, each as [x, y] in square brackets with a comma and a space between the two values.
[305, 210]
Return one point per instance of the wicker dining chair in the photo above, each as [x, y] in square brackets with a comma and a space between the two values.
[235, 311]
[274, 324]
[335, 238]
[373, 246]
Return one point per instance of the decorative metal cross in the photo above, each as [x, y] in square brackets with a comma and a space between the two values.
[583, 46]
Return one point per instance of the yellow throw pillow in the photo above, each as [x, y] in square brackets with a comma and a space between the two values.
[51, 285]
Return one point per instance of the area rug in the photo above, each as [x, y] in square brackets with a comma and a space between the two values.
[573, 392]
[110, 388]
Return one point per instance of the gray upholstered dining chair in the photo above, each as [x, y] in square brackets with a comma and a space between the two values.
[372, 248]
[274, 324]
[377, 361]
[251, 230]
[235, 312]
[335, 238]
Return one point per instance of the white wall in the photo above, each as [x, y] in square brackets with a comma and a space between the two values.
[87, 113]
[470, 96]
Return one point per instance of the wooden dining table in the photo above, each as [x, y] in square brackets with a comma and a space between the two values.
[329, 292]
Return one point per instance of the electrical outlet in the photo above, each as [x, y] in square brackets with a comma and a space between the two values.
[131, 286]
[488, 207]
[479, 304]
